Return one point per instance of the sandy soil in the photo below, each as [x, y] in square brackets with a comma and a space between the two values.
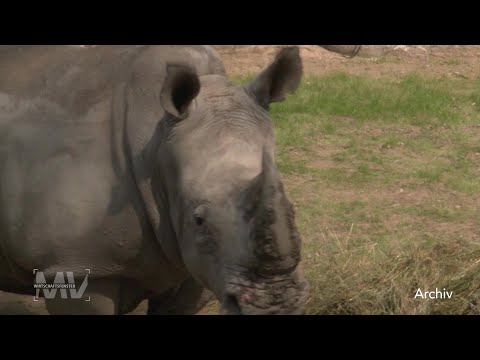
[437, 60]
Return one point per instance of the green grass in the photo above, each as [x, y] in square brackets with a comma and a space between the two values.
[452, 61]
[385, 176]
[411, 100]
[388, 60]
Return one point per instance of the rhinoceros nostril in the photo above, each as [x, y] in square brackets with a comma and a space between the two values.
[247, 297]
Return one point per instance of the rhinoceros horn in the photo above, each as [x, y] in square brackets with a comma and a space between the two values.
[277, 243]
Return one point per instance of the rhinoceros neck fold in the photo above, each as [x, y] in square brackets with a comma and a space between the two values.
[139, 150]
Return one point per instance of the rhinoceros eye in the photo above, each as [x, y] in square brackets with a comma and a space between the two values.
[199, 221]
[199, 215]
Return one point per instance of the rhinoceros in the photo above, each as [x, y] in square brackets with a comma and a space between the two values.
[148, 167]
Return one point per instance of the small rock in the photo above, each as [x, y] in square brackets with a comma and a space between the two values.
[456, 73]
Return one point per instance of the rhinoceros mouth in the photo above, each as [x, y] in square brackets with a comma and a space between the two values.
[230, 306]
[274, 296]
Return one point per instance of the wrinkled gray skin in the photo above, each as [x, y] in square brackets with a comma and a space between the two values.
[147, 166]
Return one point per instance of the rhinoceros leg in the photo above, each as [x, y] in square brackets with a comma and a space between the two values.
[187, 299]
[104, 300]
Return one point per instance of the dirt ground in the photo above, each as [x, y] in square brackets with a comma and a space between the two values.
[447, 60]
[435, 60]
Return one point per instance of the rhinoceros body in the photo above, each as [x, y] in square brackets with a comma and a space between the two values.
[145, 165]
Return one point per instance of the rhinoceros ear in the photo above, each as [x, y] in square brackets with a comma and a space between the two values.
[279, 79]
[181, 87]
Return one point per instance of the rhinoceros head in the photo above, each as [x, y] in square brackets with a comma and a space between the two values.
[234, 225]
